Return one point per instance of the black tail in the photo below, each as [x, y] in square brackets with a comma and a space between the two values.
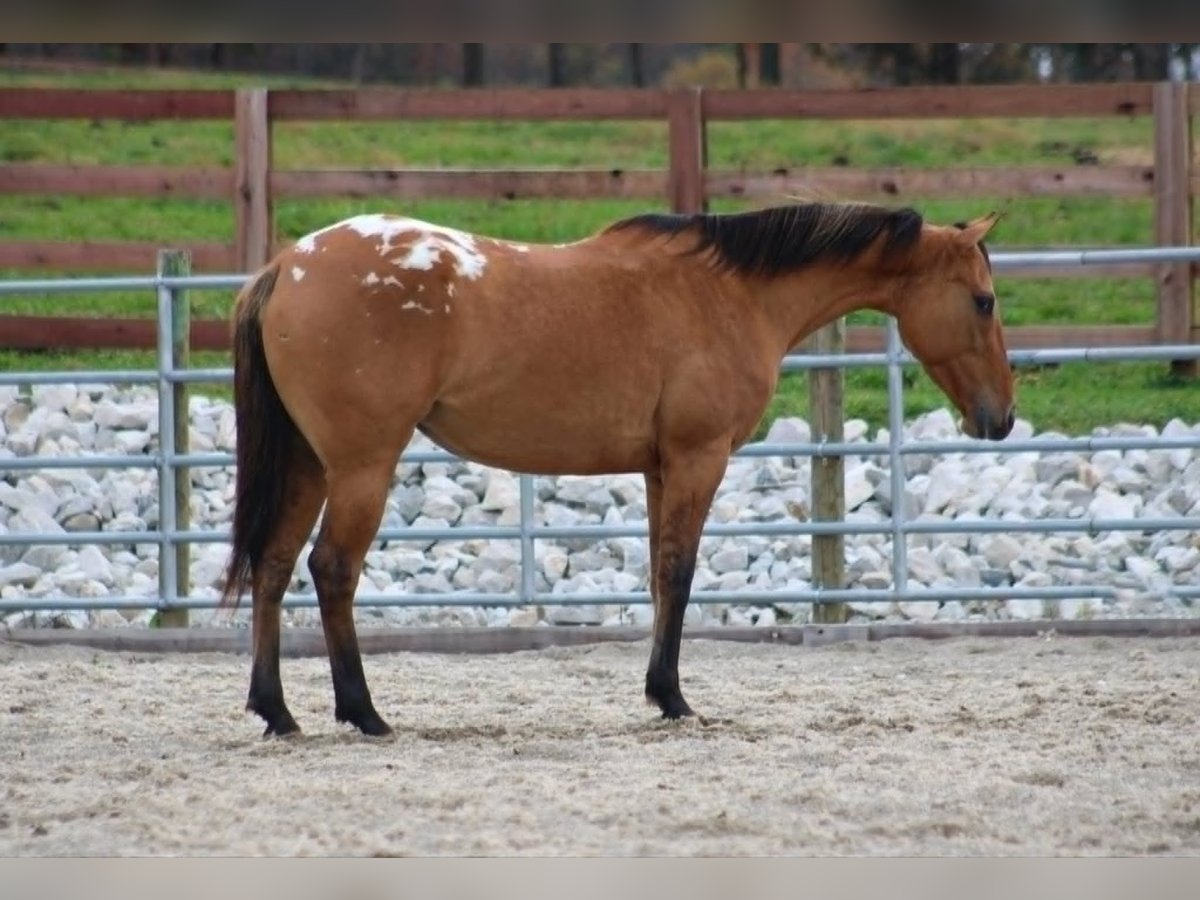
[265, 438]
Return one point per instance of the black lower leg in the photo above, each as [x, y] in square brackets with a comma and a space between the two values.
[266, 690]
[266, 700]
[662, 675]
[335, 581]
[662, 687]
[352, 697]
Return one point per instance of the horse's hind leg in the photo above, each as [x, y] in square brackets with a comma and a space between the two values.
[352, 514]
[305, 482]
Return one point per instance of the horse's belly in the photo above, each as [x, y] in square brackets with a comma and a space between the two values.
[544, 441]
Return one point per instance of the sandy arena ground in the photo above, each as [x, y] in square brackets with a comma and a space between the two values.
[969, 746]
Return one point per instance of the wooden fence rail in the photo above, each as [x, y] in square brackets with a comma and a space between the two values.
[253, 184]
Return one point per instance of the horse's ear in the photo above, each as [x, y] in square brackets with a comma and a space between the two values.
[975, 231]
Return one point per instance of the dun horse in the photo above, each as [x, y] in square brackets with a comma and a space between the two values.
[652, 347]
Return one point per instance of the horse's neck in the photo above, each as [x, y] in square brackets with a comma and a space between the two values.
[800, 303]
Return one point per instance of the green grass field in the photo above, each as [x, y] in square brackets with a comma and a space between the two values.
[1071, 398]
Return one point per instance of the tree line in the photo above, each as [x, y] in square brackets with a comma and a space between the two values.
[641, 65]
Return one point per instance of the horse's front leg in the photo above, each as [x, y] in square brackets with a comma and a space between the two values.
[689, 479]
[654, 488]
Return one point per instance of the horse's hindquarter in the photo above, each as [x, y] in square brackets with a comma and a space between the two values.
[353, 343]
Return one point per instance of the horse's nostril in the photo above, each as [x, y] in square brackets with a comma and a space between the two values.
[996, 429]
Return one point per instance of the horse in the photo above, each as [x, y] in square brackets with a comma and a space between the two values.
[652, 347]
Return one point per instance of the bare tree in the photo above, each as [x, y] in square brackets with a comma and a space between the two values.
[637, 65]
[945, 63]
[769, 64]
[425, 66]
[1188, 56]
[1094, 62]
[358, 63]
[1151, 62]
[472, 65]
[556, 62]
[749, 65]
[129, 54]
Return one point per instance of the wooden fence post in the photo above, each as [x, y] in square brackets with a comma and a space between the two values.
[826, 416]
[172, 264]
[1173, 217]
[688, 149]
[252, 179]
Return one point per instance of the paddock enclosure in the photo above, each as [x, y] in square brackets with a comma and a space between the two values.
[1040, 745]
[1020, 745]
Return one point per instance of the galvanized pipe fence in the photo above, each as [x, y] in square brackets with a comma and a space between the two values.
[167, 461]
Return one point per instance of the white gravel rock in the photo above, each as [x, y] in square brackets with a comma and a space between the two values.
[132, 414]
[46, 557]
[1176, 428]
[1000, 550]
[409, 499]
[1078, 608]
[19, 573]
[503, 492]
[130, 442]
[1144, 569]
[918, 610]
[634, 554]
[860, 484]
[94, 564]
[1107, 504]
[34, 519]
[789, 430]
[922, 566]
[732, 558]
[957, 565]
[874, 609]
[951, 611]
[441, 507]
[1024, 610]
[554, 563]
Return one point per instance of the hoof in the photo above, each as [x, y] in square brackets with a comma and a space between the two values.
[376, 728]
[282, 729]
[676, 709]
[665, 694]
[367, 721]
[279, 721]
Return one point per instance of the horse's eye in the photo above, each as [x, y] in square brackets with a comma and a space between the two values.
[985, 303]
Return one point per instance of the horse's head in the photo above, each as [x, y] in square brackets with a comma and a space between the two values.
[949, 318]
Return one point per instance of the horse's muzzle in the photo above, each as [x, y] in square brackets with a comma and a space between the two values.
[993, 428]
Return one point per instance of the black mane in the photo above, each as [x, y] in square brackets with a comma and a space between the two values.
[786, 238]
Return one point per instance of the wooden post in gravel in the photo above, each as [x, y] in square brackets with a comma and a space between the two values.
[171, 264]
[826, 415]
